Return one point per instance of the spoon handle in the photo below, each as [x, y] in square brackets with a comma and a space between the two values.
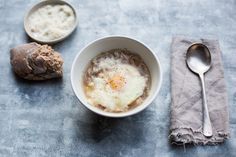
[207, 128]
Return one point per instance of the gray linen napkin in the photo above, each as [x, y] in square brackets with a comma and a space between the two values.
[186, 108]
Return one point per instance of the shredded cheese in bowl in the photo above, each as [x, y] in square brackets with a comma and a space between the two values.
[51, 22]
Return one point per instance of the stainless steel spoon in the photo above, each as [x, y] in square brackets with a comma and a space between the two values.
[199, 61]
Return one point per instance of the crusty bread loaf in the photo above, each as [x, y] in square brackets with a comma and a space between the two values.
[36, 62]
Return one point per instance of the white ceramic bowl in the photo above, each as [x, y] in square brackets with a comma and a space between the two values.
[41, 4]
[83, 58]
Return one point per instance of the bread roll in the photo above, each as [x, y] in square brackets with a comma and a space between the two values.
[36, 62]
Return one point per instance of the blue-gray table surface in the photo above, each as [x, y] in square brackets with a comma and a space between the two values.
[44, 119]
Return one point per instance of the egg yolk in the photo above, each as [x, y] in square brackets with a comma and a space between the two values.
[117, 82]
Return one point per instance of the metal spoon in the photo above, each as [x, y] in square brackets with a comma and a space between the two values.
[199, 61]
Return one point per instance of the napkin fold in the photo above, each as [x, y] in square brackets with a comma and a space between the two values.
[187, 105]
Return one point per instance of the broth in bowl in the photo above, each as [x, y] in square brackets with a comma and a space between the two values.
[116, 81]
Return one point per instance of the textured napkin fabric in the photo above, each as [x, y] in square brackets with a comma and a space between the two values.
[187, 104]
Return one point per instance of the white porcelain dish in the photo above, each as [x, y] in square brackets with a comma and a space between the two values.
[83, 58]
[41, 4]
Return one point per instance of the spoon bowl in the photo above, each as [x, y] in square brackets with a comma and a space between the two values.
[198, 58]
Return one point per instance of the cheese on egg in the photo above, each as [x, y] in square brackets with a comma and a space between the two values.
[117, 85]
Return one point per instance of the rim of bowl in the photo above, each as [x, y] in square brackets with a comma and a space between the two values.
[35, 6]
[112, 114]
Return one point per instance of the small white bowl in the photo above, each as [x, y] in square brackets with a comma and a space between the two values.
[94, 48]
[41, 4]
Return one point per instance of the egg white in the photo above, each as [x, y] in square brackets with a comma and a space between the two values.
[116, 100]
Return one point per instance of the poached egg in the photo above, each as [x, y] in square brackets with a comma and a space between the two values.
[116, 85]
